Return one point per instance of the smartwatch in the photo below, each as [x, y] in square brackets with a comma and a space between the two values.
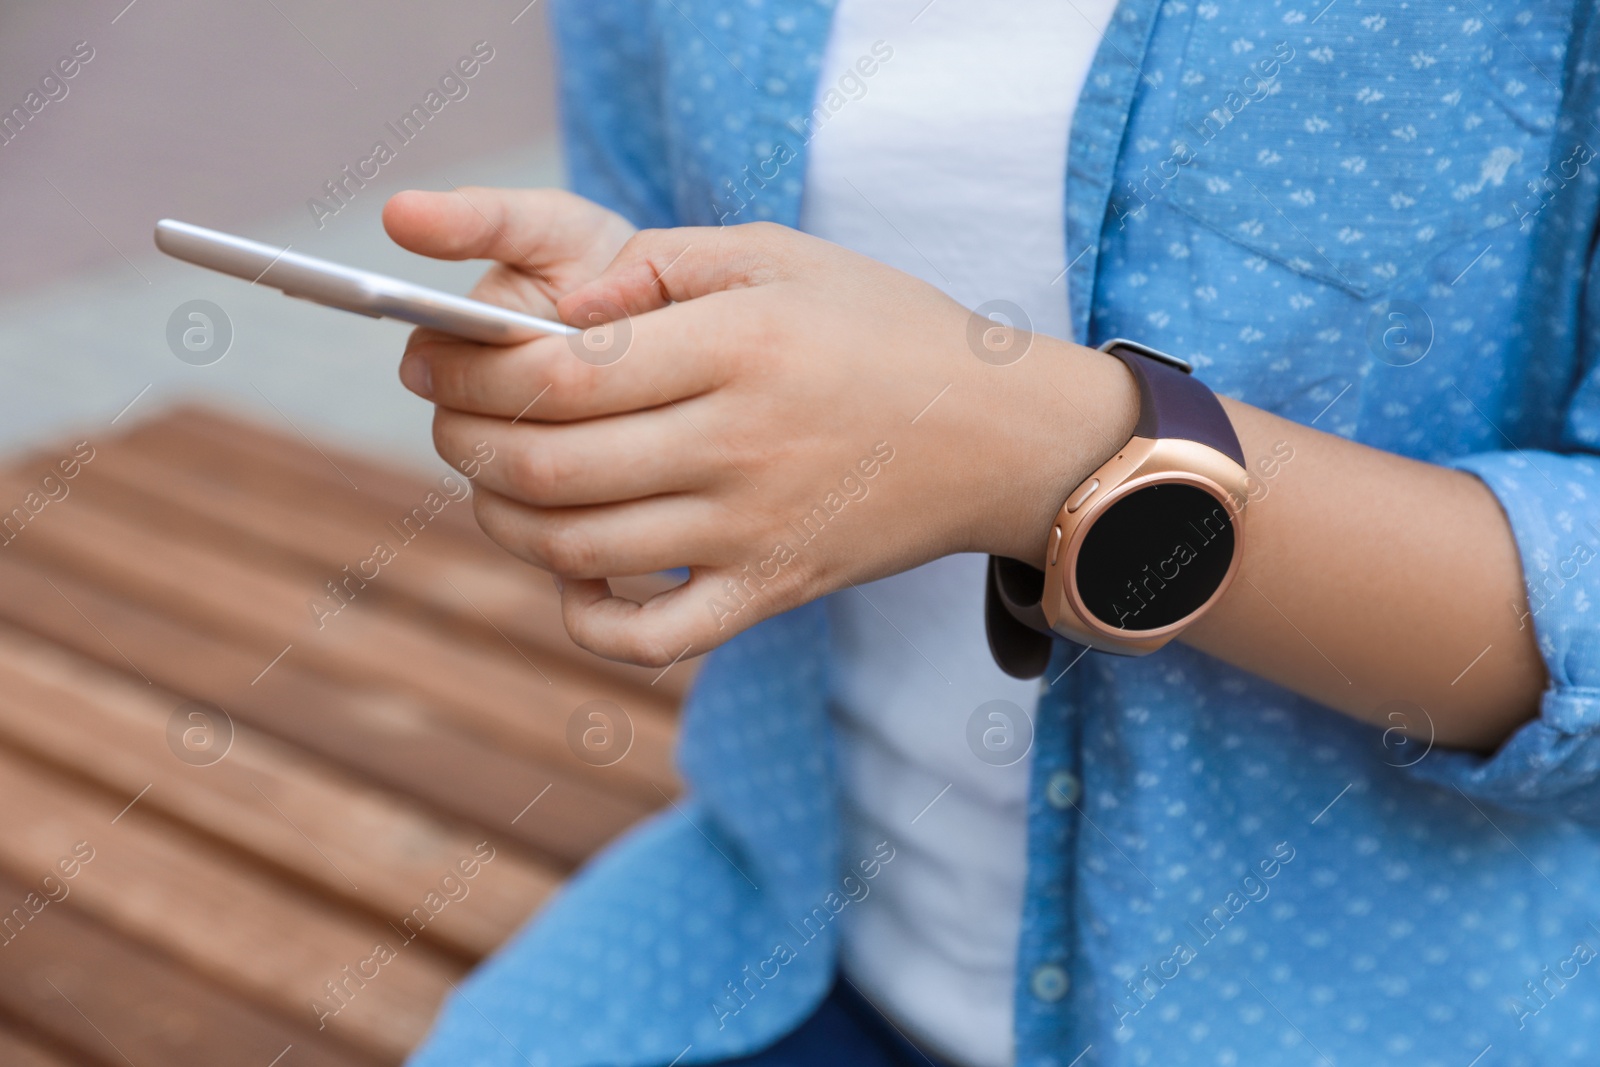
[1144, 545]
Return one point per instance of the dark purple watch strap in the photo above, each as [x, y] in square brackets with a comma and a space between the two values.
[1172, 404]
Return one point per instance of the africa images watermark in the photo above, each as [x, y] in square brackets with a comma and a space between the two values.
[52, 89]
[741, 590]
[1154, 976]
[852, 890]
[453, 887]
[341, 189]
[344, 586]
[53, 489]
[1256, 86]
[1535, 998]
[1146, 587]
[1552, 580]
[53, 889]
[1549, 185]
[851, 85]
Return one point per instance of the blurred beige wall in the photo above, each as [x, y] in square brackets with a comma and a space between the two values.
[225, 112]
[234, 114]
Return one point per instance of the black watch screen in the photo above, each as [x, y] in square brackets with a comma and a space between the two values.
[1154, 556]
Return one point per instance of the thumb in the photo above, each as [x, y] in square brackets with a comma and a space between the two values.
[660, 267]
[526, 228]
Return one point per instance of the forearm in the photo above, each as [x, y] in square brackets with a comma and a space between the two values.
[1369, 578]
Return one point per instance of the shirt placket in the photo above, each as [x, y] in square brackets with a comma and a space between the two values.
[1051, 997]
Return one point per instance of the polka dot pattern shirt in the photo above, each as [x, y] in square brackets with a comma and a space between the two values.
[1374, 217]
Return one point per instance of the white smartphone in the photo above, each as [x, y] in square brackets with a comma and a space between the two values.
[374, 295]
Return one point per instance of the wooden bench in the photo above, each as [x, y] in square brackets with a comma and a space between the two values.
[246, 864]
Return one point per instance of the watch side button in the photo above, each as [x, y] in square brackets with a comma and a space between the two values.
[1082, 493]
[1055, 545]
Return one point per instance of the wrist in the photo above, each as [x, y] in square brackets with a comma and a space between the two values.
[1071, 410]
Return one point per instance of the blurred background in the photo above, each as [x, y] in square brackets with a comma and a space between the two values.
[231, 767]
[234, 116]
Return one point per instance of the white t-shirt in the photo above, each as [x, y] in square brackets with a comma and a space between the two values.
[947, 162]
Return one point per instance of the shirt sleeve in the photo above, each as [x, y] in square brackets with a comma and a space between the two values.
[610, 79]
[1551, 496]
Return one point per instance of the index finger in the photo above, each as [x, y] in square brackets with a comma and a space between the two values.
[634, 363]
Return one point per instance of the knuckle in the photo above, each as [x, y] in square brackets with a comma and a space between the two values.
[762, 238]
[534, 472]
[758, 259]
[805, 585]
[570, 377]
[646, 649]
[761, 330]
[641, 242]
[491, 518]
[454, 382]
[424, 343]
[764, 230]
[566, 201]
[484, 514]
[446, 378]
[568, 549]
[476, 383]
[793, 584]
[444, 434]
[651, 249]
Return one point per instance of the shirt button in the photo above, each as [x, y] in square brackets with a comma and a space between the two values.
[1064, 790]
[1049, 983]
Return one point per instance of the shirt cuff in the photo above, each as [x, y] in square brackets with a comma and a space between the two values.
[1551, 765]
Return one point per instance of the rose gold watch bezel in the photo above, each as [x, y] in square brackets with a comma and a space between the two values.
[1142, 462]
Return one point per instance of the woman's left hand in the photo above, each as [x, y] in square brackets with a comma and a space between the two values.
[777, 414]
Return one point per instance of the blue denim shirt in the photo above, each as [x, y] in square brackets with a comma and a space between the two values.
[1373, 217]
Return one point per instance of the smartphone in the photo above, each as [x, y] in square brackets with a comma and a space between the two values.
[347, 288]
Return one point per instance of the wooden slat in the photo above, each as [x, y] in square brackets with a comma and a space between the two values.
[376, 850]
[322, 471]
[391, 739]
[427, 579]
[278, 503]
[106, 1001]
[484, 693]
[482, 601]
[226, 919]
[428, 715]
[280, 483]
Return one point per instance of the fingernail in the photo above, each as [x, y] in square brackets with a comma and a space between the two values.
[560, 585]
[416, 376]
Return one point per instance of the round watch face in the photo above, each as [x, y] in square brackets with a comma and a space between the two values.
[1154, 556]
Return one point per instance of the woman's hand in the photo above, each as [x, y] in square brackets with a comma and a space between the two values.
[786, 418]
[779, 415]
[545, 242]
